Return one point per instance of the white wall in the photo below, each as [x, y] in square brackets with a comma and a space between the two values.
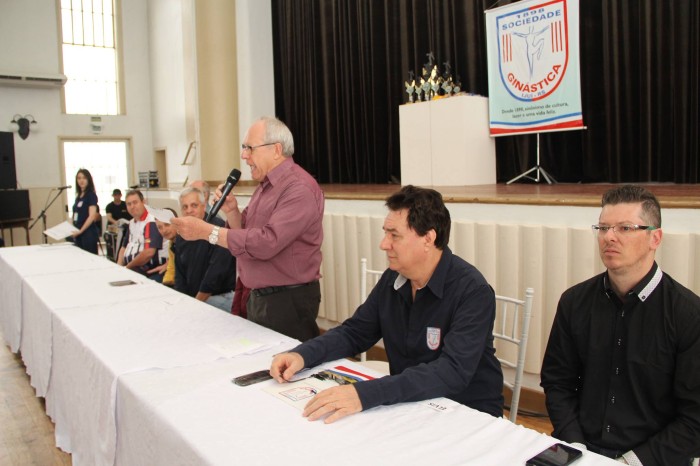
[168, 76]
[256, 84]
[29, 42]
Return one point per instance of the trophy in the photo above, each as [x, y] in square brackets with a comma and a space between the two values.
[457, 86]
[435, 82]
[432, 82]
[447, 86]
[425, 87]
[447, 83]
[419, 90]
[410, 86]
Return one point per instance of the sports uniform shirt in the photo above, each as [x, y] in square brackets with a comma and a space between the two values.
[279, 242]
[143, 234]
[626, 375]
[441, 344]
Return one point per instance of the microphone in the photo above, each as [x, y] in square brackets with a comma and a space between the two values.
[135, 186]
[61, 188]
[230, 183]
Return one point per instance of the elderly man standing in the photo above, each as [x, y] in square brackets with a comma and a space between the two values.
[434, 311]
[202, 270]
[141, 250]
[621, 372]
[277, 238]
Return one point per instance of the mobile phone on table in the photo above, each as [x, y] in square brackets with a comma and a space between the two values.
[122, 283]
[556, 455]
[253, 377]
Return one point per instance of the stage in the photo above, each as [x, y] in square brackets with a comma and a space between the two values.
[679, 196]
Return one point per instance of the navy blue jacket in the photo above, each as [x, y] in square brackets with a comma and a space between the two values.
[439, 345]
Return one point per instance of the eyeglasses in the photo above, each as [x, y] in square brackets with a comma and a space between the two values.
[623, 229]
[250, 149]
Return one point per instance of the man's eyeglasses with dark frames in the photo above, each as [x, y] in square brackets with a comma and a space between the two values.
[623, 229]
[250, 149]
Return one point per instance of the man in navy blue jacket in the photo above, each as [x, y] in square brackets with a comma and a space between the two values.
[434, 311]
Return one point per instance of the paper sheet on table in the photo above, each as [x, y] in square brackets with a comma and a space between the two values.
[230, 348]
[299, 393]
[61, 231]
[162, 215]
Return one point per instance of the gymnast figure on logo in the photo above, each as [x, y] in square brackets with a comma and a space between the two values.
[533, 44]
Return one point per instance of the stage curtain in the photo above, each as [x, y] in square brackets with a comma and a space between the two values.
[340, 67]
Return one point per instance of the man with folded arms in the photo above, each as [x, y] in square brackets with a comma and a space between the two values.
[434, 311]
[202, 270]
[621, 372]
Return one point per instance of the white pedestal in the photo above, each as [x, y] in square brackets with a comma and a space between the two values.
[446, 142]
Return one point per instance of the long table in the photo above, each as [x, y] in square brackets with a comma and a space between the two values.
[141, 374]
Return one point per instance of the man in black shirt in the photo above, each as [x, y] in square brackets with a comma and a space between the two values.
[204, 271]
[116, 209]
[621, 372]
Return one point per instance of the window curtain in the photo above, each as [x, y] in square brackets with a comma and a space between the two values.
[340, 68]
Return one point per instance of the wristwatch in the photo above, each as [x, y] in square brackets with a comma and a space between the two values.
[214, 236]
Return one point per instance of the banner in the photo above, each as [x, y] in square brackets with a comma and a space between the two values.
[533, 67]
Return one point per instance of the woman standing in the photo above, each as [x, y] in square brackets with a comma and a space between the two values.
[85, 212]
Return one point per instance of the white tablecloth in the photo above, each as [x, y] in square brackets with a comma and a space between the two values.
[195, 415]
[19, 262]
[92, 347]
[142, 375]
[45, 295]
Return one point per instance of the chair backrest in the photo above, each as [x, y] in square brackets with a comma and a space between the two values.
[512, 325]
[367, 276]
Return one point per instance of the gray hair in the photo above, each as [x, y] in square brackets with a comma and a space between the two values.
[277, 131]
[203, 186]
[190, 190]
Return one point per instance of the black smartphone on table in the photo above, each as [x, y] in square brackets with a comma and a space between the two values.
[253, 377]
[122, 283]
[556, 455]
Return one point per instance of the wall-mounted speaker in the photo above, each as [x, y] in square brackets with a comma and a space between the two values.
[8, 172]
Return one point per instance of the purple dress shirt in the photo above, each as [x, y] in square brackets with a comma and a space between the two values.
[279, 242]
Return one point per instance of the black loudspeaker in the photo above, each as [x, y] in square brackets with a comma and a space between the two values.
[8, 172]
[14, 204]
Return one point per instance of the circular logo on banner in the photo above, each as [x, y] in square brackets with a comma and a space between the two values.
[533, 49]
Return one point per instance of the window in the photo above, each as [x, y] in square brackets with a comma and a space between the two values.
[90, 57]
[107, 163]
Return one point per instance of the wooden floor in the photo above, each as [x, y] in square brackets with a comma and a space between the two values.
[575, 194]
[27, 433]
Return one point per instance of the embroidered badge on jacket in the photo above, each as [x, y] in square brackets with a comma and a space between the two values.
[432, 337]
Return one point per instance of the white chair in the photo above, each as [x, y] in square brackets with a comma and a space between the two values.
[371, 276]
[511, 325]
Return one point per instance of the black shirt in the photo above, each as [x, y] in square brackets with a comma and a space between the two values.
[626, 375]
[118, 211]
[441, 344]
[200, 266]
